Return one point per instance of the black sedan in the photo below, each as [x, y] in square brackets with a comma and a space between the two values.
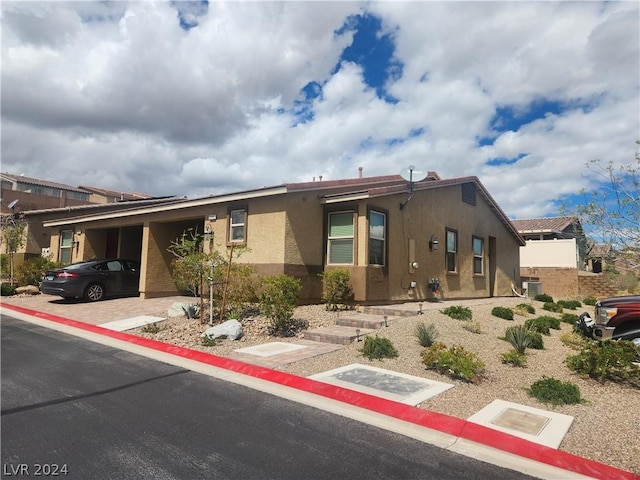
[93, 279]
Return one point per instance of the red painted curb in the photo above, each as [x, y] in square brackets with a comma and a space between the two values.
[433, 420]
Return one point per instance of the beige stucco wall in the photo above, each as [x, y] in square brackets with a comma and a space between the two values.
[560, 253]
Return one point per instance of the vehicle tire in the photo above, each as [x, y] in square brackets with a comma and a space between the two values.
[94, 292]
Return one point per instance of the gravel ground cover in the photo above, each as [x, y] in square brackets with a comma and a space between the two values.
[606, 427]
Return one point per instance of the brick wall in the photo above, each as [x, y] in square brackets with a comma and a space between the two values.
[557, 282]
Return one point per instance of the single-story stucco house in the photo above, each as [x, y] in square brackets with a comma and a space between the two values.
[395, 237]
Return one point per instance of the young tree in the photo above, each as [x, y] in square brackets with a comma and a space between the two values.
[613, 210]
[14, 228]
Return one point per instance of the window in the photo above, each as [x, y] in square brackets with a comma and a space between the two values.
[66, 243]
[237, 225]
[478, 256]
[340, 241]
[377, 228]
[452, 251]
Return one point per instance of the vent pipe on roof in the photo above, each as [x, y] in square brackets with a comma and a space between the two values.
[320, 177]
[359, 172]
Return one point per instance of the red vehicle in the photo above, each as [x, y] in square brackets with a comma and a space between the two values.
[614, 318]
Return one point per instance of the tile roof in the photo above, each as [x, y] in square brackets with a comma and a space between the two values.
[542, 225]
[114, 193]
[41, 183]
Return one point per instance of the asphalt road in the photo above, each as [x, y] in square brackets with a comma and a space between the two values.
[83, 410]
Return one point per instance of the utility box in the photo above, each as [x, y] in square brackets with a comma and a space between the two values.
[533, 288]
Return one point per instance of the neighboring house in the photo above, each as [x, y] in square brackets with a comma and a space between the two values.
[36, 194]
[600, 255]
[394, 238]
[101, 195]
[554, 254]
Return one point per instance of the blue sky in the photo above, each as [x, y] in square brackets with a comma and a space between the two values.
[196, 98]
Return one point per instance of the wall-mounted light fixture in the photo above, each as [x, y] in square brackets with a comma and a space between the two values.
[213, 217]
[433, 243]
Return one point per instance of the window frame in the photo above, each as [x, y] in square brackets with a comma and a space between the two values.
[66, 249]
[373, 238]
[231, 225]
[451, 251]
[335, 239]
[478, 257]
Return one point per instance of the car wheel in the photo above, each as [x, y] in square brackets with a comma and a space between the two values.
[94, 292]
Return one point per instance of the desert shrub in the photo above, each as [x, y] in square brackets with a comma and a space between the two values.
[589, 300]
[543, 324]
[458, 312]
[570, 318]
[573, 340]
[524, 309]
[278, 299]
[543, 297]
[454, 362]
[31, 271]
[473, 327]
[555, 392]
[502, 312]
[519, 336]
[552, 307]
[569, 304]
[514, 358]
[336, 288]
[191, 310]
[208, 341]
[425, 334]
[537, 343]
[608, 360]
[378, 348]
[6, 290]
[151, 328]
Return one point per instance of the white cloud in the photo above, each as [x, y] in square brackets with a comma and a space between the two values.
[119, 95]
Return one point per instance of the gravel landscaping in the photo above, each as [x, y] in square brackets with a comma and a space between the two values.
[606, 426]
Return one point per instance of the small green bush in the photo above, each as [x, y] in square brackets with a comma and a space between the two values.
[524, 309]
[519, 336]
[608, 360]
[514, 358]
[552, 307]
[454, 362]
[191, 311]
[473, 327]
[6, 290]
[458, 312]
[278, 299]
[555, 392]
[537, 343]
[426, 334]
[31, 271]
[573, 340]
[543, 324]
[589, 300]
[569, 304]
[5, 269]
[151, 328]
[209, 341]
[570, 318]
[336, 288]
[378, 348]
[502, 312]
[543, 297]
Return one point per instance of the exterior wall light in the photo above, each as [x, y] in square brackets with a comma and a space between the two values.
[433, 243]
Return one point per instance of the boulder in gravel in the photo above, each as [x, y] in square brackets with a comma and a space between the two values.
[176, 310]
[27, 290]
[231, 329]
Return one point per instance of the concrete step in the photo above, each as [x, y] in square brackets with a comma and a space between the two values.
[405, 310]
[364, 320]
[336, 334]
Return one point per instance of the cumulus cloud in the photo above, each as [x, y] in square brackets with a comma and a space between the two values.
[194, 99]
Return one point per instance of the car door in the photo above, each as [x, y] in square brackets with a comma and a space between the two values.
[130, 276]
[115, 273]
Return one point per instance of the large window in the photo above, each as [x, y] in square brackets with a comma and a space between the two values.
[478, 256]
[452, 251]
[238, 225]
[377, 229]
[340, 241]
[66, 244]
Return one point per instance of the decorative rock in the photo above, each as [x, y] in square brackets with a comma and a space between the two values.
[176, 310]
[28, 290]
[231, 329]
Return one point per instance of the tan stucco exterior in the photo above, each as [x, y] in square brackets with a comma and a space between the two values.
[286, 232]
